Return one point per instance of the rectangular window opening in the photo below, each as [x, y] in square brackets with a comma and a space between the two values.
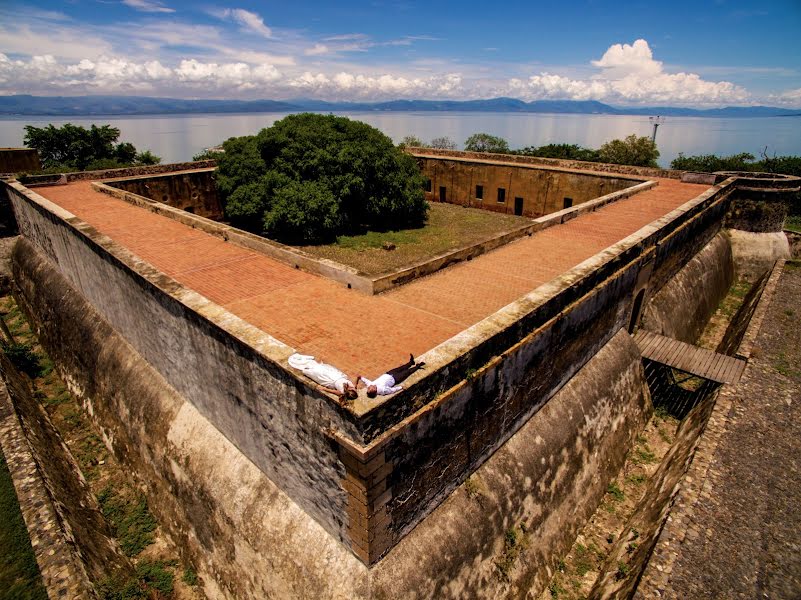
[427, 185]
[501, 195]
[568, 202]
[479, 192]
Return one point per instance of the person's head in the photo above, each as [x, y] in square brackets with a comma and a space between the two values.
[372, 391]
[350, 391]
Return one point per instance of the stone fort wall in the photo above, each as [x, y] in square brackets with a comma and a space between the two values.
[515, 188]
[226, 368]
[370, 479]
[192, 191]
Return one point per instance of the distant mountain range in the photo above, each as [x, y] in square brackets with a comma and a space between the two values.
[67, 106]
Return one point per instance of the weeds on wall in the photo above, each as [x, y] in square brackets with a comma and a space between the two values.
[122, 504]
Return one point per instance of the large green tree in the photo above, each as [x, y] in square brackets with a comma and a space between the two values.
[310, 177]
[73, 147]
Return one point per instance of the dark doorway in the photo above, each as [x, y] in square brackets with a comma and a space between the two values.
[442, 194]
[518, 206]
[635, 311]
[568, 202]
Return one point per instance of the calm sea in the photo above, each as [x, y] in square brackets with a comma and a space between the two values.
[177, 138]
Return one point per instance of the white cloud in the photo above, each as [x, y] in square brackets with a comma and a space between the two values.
[249, 21]
[790, 98]
[316, 50]
[629, 74]
[384, 86]
[117, 74]
[148, 6]
[63, 41]
[621, 60]
[231, 75]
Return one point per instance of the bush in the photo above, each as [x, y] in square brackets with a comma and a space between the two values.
[709, 163]
[412, 141]
[562, 151]
[311, 177]
[23, 357]
[484, 142]
[443, 143]
[207, 154]
[634, 150]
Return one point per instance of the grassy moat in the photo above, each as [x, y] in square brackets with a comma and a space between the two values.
[159, 572]
[449, 227]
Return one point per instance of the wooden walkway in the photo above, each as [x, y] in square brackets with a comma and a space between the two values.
[688, 358]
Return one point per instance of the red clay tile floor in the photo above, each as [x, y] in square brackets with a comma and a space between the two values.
[362, 334]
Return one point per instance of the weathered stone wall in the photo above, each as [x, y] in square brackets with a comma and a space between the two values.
[74, 545]
[249, 540]
[488, 381]
[645, 172]
[794, 241]
[192, 191]
[18, 160]
[63, 574]
[542, 190]
[34, 180]
[673, 493]
[683, 306]
[544, 483]
[223, 366]
[755, 253]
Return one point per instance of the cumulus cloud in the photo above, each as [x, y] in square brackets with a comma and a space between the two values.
[117, 74]
[350, 85]
[249, 21]
[629, 74]
[148, 6]
[790, 98]
[621, 60]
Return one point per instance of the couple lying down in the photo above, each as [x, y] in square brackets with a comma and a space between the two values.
[334, 380]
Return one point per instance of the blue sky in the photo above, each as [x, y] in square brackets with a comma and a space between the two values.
[703, 53]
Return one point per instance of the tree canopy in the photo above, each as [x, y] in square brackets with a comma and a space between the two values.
[562, 151]
[311, 177]
[74, 147]
[484, 142]
[634, 150]
[412, 141]
[443, 143]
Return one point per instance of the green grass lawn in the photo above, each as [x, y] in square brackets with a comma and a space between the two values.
[793, 223]
[448, 227]
[19, 573]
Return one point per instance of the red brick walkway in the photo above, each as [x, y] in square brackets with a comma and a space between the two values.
[358, 333]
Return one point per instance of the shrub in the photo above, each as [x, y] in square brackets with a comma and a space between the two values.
[562, 151]
[634, 150]
[709, 163]
[443, 143]
[484, 142]
[23, 357]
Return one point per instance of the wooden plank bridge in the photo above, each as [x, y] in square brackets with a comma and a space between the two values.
[688, 358]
